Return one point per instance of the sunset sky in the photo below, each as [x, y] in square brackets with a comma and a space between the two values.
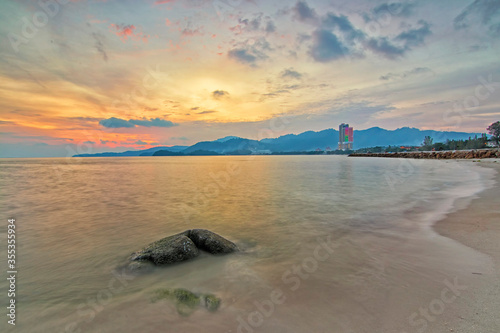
[93, 76]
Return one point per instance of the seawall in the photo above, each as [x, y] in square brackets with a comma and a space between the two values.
[447, 154]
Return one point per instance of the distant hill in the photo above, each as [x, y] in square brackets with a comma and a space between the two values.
[405, 136]
[371, 137]
[307, 141]
[227, 138]
[228, 146]
[151, 151]
[304, 142]
[144, 152]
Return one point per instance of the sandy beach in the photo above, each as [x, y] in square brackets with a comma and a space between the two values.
[478, 227]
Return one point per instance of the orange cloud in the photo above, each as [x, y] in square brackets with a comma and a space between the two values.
[126, 31]
[192, 32]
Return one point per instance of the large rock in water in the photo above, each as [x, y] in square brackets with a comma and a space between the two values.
[211, 242]
[184, 246]
[168, 250]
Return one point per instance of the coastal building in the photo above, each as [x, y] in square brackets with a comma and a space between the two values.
[345, 137]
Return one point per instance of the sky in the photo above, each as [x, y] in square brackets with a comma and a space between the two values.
[87, 76]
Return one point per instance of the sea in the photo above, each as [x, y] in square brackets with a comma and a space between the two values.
[327, 243]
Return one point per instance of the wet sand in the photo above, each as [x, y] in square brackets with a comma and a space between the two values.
[478, 227]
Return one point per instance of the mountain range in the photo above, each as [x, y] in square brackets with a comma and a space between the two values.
[144, 152]
[307, 141]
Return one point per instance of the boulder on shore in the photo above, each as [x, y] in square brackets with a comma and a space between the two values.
[184, 246]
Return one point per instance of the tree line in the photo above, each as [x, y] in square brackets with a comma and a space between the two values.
[472, 143]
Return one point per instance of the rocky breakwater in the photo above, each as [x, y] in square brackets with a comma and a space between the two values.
[184, 246]
[448, 154]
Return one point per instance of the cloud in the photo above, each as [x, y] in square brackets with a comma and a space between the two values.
[153, 122]
[125, 31]
[192, 32]
[122, 123]
[242, 55]
[494, 29]
[84, 119]
[404, 9]
[251, 24]
[180, 138]
[115, 123]
[26, 113]
[343, 24]
[483, 11]
[337, 37]
[257, 23]
[301, 38]
[36, 137]
[89, 142]
[206, 112]
[391, 49]
[219, 94]
[100, 46]
[140, 143]
[390, 9]
[415, 37]
[270, 27]
[273, 94]
[251, 51]
[362, 110]
[160, 2]
[384, 47]
[103, 142]
[302, 12]
[326, 46]
[290, 73]
[403, 75]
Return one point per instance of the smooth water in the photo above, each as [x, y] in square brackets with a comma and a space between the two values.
[319, 236]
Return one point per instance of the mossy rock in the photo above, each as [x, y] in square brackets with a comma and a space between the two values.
[186, 301]
[211, 302]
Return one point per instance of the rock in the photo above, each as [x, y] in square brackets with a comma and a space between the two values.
[211, 242]
[184, 246]
[461, 154]
[186, 301]
[168, 250]
[211, 302]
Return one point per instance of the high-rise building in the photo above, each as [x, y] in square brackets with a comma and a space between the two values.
[345, 137]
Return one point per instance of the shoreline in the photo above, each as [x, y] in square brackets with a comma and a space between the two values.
[477, 226]
[445, 154]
